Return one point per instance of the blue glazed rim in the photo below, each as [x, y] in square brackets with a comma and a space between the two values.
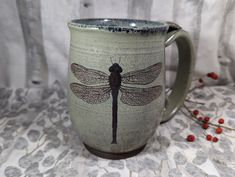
[120, 25]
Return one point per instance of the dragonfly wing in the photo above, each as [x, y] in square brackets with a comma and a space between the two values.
[140, 96]
[91, 94]
[88, 76]
[143, 76]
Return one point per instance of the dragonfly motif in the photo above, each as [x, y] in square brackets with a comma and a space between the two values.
[94, 94]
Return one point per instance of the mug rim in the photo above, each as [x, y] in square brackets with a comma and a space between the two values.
[120, 25]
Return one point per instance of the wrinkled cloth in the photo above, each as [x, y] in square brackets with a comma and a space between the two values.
[37, 139]
[34, 38]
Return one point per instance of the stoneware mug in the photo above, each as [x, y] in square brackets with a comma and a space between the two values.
[116, 95]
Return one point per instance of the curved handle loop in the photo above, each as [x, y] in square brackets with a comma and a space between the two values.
[184, 71]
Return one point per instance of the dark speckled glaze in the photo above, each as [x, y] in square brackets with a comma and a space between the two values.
[122, 25]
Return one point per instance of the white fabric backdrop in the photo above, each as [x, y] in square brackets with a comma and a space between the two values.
[34, 38]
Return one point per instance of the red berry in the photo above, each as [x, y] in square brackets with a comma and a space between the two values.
[205, 126]
[221, 121]
[219, 130]
[213, 75]
[206, 119]
[190, 138]
[208, 137]
[195, 112]
[215, 139]
[209, 74]
[200, 80]
[199, 118]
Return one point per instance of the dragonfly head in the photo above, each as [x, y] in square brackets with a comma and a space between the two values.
[115, 68]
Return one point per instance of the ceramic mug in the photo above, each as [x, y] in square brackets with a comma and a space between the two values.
[116, 94]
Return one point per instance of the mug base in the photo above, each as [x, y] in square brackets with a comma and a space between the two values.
[114, 156]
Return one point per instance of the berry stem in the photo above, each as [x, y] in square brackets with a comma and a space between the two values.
[196, 79]
[213, 124]
[194, 88]
[219, 125]
[194, 119]
[191, 101]
[190, 112]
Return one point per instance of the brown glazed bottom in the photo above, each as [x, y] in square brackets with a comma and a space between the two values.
[114, 156]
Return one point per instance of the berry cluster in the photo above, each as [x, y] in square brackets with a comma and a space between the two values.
[211, 75]
[204, 121]
[205, 124]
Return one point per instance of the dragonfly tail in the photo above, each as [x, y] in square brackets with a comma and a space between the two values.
[114, 142]
[114, 115]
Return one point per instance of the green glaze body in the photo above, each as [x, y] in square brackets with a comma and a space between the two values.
[98, 47]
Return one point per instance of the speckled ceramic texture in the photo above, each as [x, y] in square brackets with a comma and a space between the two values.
[133, 48]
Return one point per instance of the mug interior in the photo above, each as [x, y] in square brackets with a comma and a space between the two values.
[120, 25]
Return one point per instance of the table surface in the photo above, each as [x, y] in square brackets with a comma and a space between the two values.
[37, 140]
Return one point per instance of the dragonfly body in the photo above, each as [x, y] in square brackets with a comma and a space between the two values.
[115, 80]
[92, 93]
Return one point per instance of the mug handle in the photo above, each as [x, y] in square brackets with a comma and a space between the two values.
[184, 72]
